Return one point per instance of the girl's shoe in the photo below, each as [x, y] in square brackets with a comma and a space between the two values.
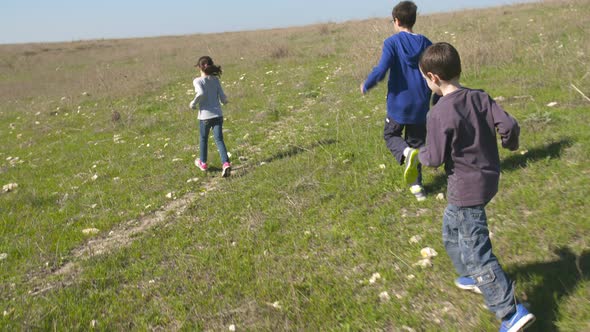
[226, 169]
[202, 166]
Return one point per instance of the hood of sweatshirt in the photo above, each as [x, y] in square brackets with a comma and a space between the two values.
[411, 47]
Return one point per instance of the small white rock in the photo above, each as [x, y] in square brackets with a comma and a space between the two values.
[428, 252]
[423, 263]
[9, 187]
[89, 231]
[232, 327]
[384, 296]
[552, 104]
[376, 276]
[3, 256]
[170, 195]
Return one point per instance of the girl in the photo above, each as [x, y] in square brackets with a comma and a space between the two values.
[209, 94]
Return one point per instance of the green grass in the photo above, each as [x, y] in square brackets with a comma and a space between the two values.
[290, 241]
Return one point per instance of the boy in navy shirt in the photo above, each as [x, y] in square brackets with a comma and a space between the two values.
[408, 96]
[462, 135]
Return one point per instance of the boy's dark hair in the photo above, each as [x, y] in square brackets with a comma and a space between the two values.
[405, 12]
[441, 59]
[206, 64]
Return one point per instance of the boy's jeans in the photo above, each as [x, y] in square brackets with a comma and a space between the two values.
[467, 242]
[217, 125]
[414, 136]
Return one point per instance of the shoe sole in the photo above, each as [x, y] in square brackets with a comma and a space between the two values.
[473, 289]
[226, 172]
[523, 323]
[411, 171]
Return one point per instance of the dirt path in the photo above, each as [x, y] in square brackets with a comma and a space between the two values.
[121, 236]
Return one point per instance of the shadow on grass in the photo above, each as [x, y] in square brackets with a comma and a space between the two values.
[289, 152]
[513, 162]
[295, 150]
[547, 151]
[559, 279]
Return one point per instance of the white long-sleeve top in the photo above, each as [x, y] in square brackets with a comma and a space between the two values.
[209, 96]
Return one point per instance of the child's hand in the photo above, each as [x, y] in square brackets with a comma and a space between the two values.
[363, 91]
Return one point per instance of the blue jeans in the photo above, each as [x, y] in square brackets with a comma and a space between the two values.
[217, 125]
[467, 242]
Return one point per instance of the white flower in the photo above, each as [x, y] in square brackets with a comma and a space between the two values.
[170, 195]
[3, 256]
[440, 196]
[384, 296]
[382, 166]
[415, 239]
[94, 177]
[232, 327]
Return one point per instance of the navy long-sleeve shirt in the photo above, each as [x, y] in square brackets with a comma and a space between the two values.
[408, 96]
[461, 133]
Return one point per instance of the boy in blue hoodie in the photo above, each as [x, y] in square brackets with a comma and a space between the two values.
[408, 96]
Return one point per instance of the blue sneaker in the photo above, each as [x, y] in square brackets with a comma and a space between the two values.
[521, 319]
[467, 283]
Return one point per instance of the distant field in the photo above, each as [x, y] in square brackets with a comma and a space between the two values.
[109, 226]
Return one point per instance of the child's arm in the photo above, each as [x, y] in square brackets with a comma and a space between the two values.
[198, 95]
[438, 141]
[222, 96]
[379, 72]
[506, 125]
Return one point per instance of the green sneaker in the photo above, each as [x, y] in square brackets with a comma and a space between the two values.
[411, 171]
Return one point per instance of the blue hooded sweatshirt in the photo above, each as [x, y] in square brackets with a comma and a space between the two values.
[408, 95]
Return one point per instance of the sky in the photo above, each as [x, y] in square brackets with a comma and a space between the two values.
[24, 21]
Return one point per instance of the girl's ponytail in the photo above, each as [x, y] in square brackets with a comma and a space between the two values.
[208, 67]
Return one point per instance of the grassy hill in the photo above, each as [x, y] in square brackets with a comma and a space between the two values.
[112, 227]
